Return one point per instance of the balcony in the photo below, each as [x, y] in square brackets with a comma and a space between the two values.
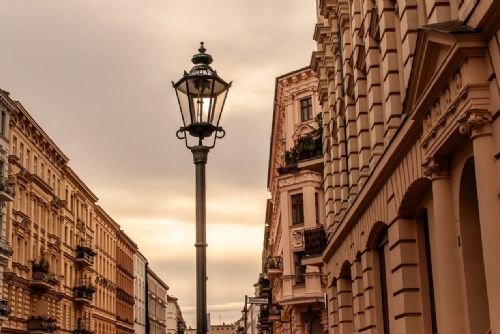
[4, 308]
[83, 327]
[41, 278]
[84, 291]
[7, 191]
[314, 243]
[41, 324]
[84, 255]
[307, 152]
[274, 267]
[5, 249]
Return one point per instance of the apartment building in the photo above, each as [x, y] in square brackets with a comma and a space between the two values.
[125, 250]
[140, 265]
[410, 101]
[157, 303]
[107, 231]
[7, 194]
[65, 264]
[174, 322]
[294, 212]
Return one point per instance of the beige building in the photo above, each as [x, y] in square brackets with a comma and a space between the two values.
[157, 303]
[7, 194]
[221, 329]
[175, 322]
[411, 139]
[294, 212]
[107, 231]
[65, 264]
[140, 265]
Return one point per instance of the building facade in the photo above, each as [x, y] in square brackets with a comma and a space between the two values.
[175, 322]
[7, 194]
[107, 231]
[411, 139]
[294, 212]
[157, 303]
[140, 265]
[65, 264]
[125, 250]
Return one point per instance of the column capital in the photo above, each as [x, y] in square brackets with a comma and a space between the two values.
[475, 119]
[437, 166]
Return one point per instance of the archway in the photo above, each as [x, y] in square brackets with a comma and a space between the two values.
[315, 326]
[472, 252]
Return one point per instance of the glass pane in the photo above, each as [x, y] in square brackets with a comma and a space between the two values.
[218, 107]
[184, 106]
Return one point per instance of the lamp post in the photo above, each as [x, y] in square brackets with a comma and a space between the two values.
[201, 95]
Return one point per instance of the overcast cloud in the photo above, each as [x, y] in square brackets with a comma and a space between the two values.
[96, 76]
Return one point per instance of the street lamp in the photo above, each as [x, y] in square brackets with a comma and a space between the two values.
[201, 94]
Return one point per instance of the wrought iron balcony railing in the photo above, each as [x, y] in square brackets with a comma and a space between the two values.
[41, 324]
[84, 290]
[7, 189]
[5, 249]
[314, 241]
[273, 263]
[85, 254]
[4, 308]
[41, 279]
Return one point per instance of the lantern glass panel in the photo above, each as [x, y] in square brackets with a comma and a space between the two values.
[218, 102]
[184, 103]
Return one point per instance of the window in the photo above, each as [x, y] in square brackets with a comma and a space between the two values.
[306, 109]
[300, 269]
[35, 164]
[14, 146]
[297, 209]
[2, 125]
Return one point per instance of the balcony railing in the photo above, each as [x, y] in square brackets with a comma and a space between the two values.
[83, 327]
[273, 263]
[314, 241]
[5, 249]
[7, 189]
[84, 254]
[42, 324]
[41, 277]
[84, 290]
[4, 308]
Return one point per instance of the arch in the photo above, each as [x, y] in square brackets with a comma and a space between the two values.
[411, 200]
[376, 232]
[345, 271]
[472, 251]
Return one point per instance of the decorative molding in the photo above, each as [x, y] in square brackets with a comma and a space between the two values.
[437, 166]
[474, 120]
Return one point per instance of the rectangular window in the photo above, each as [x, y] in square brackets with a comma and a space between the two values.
[297, 209]
[35, 164]
[306, 109]
[21, 153]
[14, 146]
[300, 269]
[4, 121]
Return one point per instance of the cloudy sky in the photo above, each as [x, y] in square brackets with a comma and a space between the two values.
[96, 76]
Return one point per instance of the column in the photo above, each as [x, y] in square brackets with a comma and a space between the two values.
[344, 299]
[446, 269]
[477, 123]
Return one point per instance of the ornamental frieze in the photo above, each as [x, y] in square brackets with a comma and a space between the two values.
[473, 120]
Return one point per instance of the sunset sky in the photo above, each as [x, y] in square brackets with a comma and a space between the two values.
[96, 75]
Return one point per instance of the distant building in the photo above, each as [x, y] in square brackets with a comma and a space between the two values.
[190, 330]
[140, 263]
[157, 303]
[222, 329]
[175, 321]
[125, 250]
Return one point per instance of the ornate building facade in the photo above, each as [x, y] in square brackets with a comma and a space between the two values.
[411, 139]
[140, 265]
[294, 213]
[7, 194]
[65, 264]
[125, 250]
[157, 303]
[175, 322]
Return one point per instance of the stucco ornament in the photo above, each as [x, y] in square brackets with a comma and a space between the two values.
[298, 239]
[474, 119]
[438, 165]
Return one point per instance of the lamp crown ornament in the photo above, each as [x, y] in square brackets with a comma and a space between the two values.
[202, 57]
